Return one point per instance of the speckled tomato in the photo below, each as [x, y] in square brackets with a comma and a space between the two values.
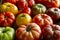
[6, 19]
[28, 32]
[42, 20]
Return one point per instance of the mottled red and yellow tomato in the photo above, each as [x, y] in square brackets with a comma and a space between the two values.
[42, 20]
[28, 32]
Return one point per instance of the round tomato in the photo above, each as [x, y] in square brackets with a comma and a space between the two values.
[7, 33]
[28, 32]
[42, 20]
[6, 19]
[38, 9]
[23, 19]
[54, 13]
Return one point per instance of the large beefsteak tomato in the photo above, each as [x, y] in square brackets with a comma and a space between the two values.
[42, 20]
[51, 32]
[6, 19]
[28, 32]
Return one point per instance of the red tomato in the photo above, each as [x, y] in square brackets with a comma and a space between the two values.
[6, 19]
[21, 4]
[51, 32]
[49, 3]
[42, 20]
[25, 10]
[25, 3]
[28, 32]
[31, 3]
[54, 13]
[11, 1]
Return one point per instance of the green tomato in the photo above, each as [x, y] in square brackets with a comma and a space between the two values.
[7, 33]
[38, 8]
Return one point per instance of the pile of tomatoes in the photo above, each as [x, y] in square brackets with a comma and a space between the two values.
[29, 20]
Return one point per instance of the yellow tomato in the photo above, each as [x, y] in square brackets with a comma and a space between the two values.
[9, 7]
[23, 19]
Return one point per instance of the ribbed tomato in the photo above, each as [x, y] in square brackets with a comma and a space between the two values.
[51, 32]
[6, 19]
[28, 32]
[42, 20]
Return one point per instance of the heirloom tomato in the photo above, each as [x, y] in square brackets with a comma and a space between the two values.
[6, 19]
[28, 32]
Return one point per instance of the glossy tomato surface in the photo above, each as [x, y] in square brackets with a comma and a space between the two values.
[28, 32]
[6, 19]
[42, 20]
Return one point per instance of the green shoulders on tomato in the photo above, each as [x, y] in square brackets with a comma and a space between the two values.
[7, 33]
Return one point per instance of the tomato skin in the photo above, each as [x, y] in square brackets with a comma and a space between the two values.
[54, 13]
[9, 7]
[31, 3]
[25, 10]
[7, 33]
[25, 3]
[49, 3]
[51, 32]
[23, 19]
[22, 4]
[38, 9]
[6, 19]
[30, 31]
[42, 20]
[11, 1]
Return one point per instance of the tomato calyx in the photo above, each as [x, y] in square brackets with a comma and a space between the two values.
[55, 10]
[27, 0]
[28, 28]
[3, 31]
[5, 17]
[23, 15]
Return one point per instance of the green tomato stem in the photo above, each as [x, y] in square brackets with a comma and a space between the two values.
[28, 28]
